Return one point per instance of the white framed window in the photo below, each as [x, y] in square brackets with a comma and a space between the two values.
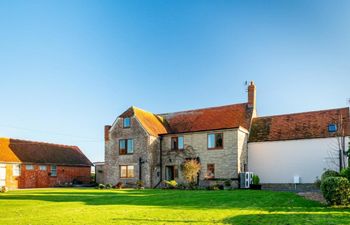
[126, 146]
[29, 167]
[16, 170]
[126, 122]
[215, 141]
[53, 170]
[42, 167]
[127, 171]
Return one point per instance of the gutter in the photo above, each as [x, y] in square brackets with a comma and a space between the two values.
[160, 162]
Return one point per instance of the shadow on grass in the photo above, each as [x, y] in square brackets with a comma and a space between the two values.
[290, 218]
[238, 199]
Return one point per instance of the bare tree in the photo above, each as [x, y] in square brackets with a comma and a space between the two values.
[339, 155]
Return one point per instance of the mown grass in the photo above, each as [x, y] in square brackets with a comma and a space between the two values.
[90, 206]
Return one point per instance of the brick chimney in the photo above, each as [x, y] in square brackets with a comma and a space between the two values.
[252, 96]
[107, 128]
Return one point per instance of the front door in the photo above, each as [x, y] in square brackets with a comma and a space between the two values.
[2, 175]
[169, 173]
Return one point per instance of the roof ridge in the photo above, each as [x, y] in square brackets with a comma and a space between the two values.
[41, 142]
[191, 110]
[298, 113]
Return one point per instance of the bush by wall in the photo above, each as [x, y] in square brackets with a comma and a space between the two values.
[336, 190]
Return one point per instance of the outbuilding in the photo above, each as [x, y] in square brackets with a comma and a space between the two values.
[29, 164]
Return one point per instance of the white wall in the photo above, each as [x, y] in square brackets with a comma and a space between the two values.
[280, 161]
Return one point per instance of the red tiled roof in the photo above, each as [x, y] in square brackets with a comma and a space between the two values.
[14, 150]
[298, 126]
[214, 118]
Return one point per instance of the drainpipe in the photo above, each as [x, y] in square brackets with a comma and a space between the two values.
[160, 162]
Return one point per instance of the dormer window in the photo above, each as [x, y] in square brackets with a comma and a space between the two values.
[177, 143]
[332, 127]
[126, 122]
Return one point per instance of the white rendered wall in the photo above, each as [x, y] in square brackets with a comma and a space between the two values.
[280, 161]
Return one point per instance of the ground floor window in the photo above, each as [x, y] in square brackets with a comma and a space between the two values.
[53, 170]
[172, 172]
[29, 167]
[210, 171]
[42, 167]
[127, 172]
[16, 170]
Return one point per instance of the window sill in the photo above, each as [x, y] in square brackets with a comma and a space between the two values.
[221, 148]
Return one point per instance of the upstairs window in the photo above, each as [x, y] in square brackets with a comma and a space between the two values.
[126, 146]
[126, 122]
[53, 170]
[215, 141]
[16, 170]
[332, 127]
[177, 143]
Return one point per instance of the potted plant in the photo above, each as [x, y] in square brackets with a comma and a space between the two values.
[256, 183]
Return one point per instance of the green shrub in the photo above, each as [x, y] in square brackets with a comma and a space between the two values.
[227, 183]
[345, 173]
[336, 190]
[140, 184]
[256, 179]
[329, 173]
[109, 186]
[214, 187]
[3, 189]
[101, 186]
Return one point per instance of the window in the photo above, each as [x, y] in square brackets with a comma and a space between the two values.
[126, 122]
[29, 167]
[332, 127]
[215, 141]
[16, 170]
[126, 146]
[210, 171]
[177, 143]
[42, 167]
[53, 170]
[127, 172]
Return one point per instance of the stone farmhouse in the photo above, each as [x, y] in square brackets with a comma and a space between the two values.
[28, 164]
[226, 140]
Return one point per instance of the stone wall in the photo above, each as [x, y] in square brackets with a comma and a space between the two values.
[225, 159]
[144, 147]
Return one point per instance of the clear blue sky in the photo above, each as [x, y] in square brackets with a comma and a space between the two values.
[67, 68]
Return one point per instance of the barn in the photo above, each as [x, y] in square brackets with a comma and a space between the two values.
[29, 164]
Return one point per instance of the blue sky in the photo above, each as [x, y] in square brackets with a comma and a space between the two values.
[67, 68]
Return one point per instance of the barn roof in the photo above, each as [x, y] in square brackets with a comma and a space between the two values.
[299, 125]
[14, 150]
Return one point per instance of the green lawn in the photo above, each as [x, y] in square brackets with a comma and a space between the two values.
[90, 206]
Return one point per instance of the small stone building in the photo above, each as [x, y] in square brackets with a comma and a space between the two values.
[28, 164]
